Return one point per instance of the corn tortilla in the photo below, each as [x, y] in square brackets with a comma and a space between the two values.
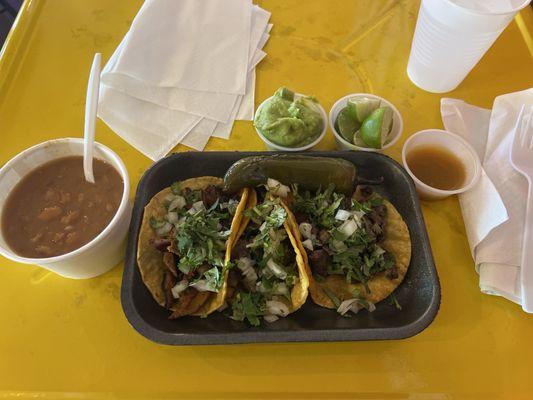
[150, 260]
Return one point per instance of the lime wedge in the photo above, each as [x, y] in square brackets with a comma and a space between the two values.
[285, 93]
[376, 127]
[357, 139]
[362, 107]
[347, 125]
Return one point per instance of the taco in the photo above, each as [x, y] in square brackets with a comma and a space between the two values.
[268, 278]
[185, 241]
[356, 249]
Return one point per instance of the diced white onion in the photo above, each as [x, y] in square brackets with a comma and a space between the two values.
[348, 228]
[371, 306]
[308, 244]
[277, 188]
[178, 288]
[263, 226]
[270, 318]
[172, 217]
[278, 308]
[378, 251]
[281, 289]
[202, 286]
[267, 273]
[164, 229]
[305, 229]
[342, 215]
[349, 305]
[245, 265]
[225, 234]
[276, 269]
[260, 288]
[198, 206]
[339, 246]
[180, 222]
[177, 204]
[358, 216]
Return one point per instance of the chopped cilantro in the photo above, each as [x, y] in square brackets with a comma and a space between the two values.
[376, 201]
[212, 277]
[358, 257]
[332, 297]
[248, 306]
[394, 301]
[267, 242]
[175, 188]
[277, 217]
[156, 223]
[201, 236]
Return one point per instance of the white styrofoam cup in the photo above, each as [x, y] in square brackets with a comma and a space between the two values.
[105, 250]
[451, 36]
[451, 142]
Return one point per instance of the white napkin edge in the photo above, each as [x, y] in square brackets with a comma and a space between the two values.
[223, 131]
[247, 104]
[138, 90]
[473, 211]
[500, 280]
[199, 135]
[470, 127]
[216, 106]
[246, 108]
[124, 129]
[263, 40]
[198, 139]
[162, 122]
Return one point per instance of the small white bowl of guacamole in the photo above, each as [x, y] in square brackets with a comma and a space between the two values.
[289, 121]
[365, 105]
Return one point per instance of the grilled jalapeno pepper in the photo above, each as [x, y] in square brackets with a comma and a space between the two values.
[309, 172]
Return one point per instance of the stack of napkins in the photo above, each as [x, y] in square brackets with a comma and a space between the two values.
[185, 71]
[494, 210]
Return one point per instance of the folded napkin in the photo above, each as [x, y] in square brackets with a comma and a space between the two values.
[494, 210]
[184, 71]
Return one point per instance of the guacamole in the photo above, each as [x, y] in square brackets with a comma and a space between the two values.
[289, 121]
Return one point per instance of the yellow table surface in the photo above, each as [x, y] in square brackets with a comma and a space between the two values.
[62, 338]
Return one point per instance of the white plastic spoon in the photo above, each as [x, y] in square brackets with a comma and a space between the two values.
[91, 105]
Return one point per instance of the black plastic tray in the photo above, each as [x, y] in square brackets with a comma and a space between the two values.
[419, 293]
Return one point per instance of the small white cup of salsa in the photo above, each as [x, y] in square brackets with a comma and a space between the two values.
[343, 144]
[451, 143]
[101, 253]
[273, 146]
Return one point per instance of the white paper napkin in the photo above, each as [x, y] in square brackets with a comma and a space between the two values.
[154, 92]
[494, 210]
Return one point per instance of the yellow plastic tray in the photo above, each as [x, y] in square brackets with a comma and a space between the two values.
[62, 338]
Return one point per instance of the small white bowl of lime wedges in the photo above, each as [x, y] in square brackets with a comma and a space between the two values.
[364, 121]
